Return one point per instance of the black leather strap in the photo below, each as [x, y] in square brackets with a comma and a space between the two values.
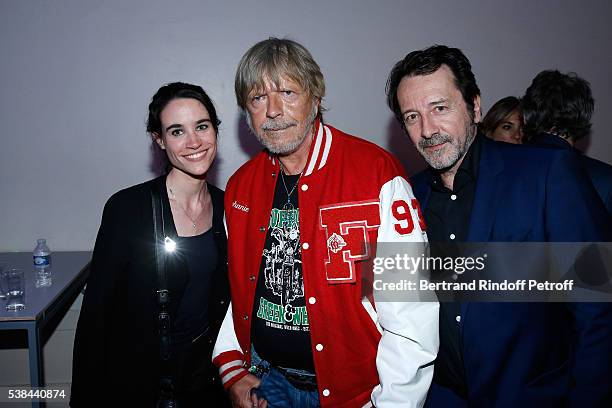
[163, 295]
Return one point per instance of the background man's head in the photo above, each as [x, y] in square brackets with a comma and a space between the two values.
[280, 87]
[434, 95]
[558, 103]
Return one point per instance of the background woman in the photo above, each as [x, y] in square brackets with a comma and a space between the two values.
[504, 121]
[117, 344]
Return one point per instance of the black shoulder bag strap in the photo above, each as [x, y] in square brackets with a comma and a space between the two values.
[163, 297]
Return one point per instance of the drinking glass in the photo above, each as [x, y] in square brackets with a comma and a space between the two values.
[14, 286]
[3, 267]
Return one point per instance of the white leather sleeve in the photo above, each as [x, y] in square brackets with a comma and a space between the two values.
[410, 339]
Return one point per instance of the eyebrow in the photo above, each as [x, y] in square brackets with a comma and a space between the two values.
[433, 103]
[178, 126]
[439, 101]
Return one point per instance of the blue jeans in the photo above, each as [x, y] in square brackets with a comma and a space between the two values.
[278, 391]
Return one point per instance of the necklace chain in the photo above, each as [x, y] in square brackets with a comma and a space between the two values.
[285, 184]
[193, 220]
[292, 232]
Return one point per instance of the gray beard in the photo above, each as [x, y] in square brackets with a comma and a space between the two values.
[439, 162]
[271, 124]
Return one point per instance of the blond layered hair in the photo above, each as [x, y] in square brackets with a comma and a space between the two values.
[273, 59]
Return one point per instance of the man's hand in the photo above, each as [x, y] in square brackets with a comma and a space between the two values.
[241, 395]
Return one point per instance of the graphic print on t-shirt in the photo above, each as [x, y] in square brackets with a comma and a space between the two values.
[280, 330]
[282, 272]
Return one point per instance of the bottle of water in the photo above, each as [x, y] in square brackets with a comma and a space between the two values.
[42, 262]
[42, 254]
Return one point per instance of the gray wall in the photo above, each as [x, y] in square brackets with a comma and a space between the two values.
[76, 77]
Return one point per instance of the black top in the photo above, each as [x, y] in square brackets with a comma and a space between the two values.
[191, 321]
[448, 218]
[117, 335]
[280, 330]
[448, 211]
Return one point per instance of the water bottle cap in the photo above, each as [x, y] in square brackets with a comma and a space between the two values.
[41, 241]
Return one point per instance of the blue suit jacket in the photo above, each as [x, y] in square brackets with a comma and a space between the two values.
[532, 354]
[599, 172]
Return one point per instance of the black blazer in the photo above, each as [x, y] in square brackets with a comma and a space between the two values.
[116, 348]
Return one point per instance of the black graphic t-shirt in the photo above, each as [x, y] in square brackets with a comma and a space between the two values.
[280, 330]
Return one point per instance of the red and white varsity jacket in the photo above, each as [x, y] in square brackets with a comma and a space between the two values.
[351, 192]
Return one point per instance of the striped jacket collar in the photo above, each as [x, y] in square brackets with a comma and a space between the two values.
[319, 150]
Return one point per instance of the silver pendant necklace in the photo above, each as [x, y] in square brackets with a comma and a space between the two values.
[193, 220]
[293, 232]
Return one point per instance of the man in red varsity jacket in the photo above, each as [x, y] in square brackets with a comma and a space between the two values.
[302, 216]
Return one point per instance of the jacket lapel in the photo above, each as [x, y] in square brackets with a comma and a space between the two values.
[489, 189]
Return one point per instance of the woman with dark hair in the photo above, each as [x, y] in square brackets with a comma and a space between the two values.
[504, 121]
[151, 312]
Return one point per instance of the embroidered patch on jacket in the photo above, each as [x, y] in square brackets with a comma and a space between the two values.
[347, 227]
[335, 243]
[240, 207]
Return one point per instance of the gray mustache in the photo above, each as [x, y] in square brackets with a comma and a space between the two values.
[277, 125]
[434, 140]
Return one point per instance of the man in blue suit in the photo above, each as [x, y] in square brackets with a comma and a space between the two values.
[477, 190]
[557, 110]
